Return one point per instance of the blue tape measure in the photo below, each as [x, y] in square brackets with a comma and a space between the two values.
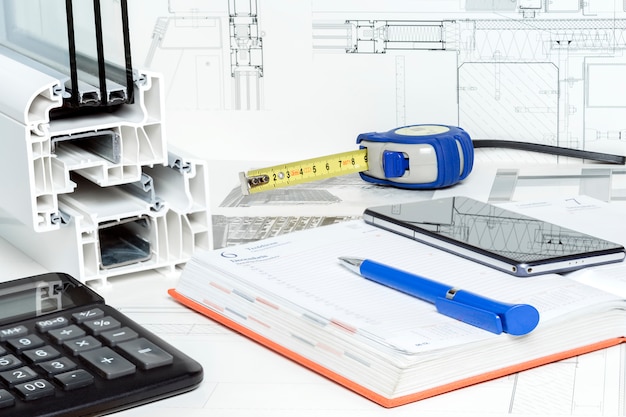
[413, 157]
[418, 156]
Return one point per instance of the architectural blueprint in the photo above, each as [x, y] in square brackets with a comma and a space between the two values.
[321, 72]
[218, 44]
[543, 72]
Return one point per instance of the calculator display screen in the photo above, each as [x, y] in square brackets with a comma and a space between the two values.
[38, 295]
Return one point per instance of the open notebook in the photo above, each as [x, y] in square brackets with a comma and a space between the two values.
[291, 294]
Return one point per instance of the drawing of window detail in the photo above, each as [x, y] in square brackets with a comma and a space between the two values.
[531, 79]
[188, 49]
[533, 83]
[212, 53]
[381, 36]
[246, 46]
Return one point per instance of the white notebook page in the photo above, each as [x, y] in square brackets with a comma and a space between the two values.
[302, 270]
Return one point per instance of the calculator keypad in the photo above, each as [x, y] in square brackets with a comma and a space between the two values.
[65, 352]
[68, 352]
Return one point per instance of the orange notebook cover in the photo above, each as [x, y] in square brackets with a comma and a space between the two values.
[371, 395]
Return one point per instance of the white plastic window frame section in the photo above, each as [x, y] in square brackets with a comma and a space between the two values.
[68, 180]
[159, 230]
[39, 154]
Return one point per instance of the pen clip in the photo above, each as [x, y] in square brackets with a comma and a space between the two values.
[484, 319]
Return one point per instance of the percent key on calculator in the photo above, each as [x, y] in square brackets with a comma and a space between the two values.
[100, 325]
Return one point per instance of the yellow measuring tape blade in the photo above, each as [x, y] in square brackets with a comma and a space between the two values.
[314, 169]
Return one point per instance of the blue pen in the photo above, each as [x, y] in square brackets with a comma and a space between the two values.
[488, 314]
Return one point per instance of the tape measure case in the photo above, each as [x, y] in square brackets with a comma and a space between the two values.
[418, 156]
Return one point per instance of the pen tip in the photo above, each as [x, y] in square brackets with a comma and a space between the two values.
[351, 261]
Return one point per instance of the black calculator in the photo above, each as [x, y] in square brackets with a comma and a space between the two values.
[64, 352]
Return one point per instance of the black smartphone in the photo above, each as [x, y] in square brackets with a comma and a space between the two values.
[514, 243]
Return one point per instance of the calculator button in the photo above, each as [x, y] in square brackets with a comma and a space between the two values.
[6, 399]
[41, 354]
[25, 342]
[18, 375]
[146, 354]
[10, 332]
[53, 323]
[56, 366]
[66, 333]
[113, 337]
[93, 313]
[74, 379]
[9, 362]
[76, 346]
[108, 363]
[100, 325]
[35, 389]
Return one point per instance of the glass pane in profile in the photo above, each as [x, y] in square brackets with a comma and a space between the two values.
[35, 32]
[85, 44]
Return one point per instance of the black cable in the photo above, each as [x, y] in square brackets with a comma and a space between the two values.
[549, 149]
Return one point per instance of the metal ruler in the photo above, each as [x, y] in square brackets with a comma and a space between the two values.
[314, 169]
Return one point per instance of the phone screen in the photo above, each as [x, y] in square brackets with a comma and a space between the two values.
[459, 224]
